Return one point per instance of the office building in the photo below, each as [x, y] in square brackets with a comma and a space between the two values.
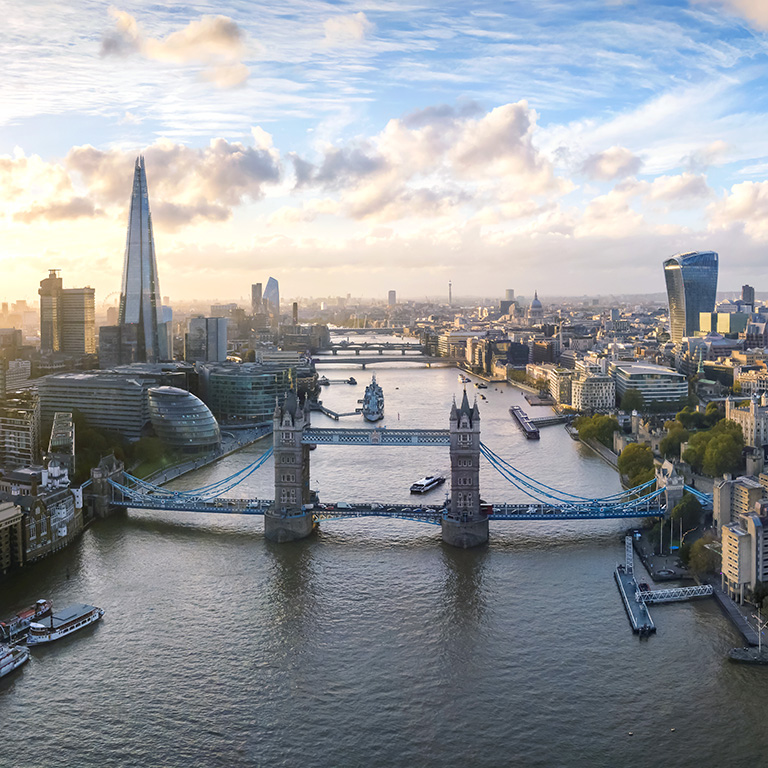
[256, 301]
[392, 298]
[245, 393]
[206, 340]
[748, 295]
[67, 317]
[182, 420]
[753, 419]
[271, 299]
[108, 400]
[140, 303]
[691, 280]
[50, 312]
[655, 383]
[20, 430]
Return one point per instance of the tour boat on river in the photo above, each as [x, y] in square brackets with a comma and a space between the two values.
[12, 657]
[19, 624]
[427, 483]
[63, 622]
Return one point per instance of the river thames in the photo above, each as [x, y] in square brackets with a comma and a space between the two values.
[372, 643]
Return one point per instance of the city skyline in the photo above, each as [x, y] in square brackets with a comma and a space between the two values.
[360, 148]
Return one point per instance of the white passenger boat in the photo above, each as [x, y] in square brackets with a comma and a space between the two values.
[15, 628]
[12, 657]
[427, 483]
[63, 623]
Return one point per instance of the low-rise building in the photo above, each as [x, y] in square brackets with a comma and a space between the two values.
[656, 383]
[594, 392]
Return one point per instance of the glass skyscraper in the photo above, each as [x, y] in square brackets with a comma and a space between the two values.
[271, 300]
[691, 287]
[140, 303]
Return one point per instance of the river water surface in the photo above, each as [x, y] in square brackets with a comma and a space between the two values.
[372, 643]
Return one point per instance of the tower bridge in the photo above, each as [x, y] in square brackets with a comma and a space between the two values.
[294, 510]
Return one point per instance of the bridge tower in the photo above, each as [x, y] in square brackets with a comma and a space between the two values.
[289, 519]
[464, 525]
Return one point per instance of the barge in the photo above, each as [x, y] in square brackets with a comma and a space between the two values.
[528, 428]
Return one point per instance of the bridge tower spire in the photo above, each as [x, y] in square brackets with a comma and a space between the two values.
[289, 519]
[464, 525]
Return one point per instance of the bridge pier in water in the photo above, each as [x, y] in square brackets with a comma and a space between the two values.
[464, 525]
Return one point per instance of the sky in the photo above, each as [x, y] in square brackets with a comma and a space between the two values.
[563, 146]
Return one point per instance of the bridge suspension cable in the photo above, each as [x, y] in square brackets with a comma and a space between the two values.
[143, 489]
[545, 494]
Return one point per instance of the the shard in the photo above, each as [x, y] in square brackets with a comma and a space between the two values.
[140, 295]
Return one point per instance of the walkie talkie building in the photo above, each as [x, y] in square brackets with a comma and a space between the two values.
[140, 303]
[691, 288]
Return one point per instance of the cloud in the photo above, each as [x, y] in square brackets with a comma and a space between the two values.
[434, 161]
[614, 163]
[754, 11]
[74, 208]
[216, 42]
[349, 29]
[745, 207]
[187, 185]
[702, 158]
[685, 188]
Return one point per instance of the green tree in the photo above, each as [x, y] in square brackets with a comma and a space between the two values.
[633, 400]
[717, 450]
[677, 435]
[723, 454]
[713, 414]
[702, 559]
[688, 509]
[636, 463]
[597, 427]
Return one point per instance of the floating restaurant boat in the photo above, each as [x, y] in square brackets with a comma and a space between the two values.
[12, 657]
[63, 622]
[19, 624]
[427, 483]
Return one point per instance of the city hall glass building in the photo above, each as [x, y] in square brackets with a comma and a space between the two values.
[691, 287]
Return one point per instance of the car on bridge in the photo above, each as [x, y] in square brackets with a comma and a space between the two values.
[343, 505]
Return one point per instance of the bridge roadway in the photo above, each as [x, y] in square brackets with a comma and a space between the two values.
[364, 360]
[419, 513]
[367, 346]
[375, 436]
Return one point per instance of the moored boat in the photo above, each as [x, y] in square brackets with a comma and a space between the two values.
[12, 657]
[63, 622]
[749, 655]
[373, 401]
[17, 626]
[323, 381]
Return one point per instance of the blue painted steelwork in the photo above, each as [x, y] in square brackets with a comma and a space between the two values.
[704, 498]
[545, 494]
[554, 504]
[378, 436]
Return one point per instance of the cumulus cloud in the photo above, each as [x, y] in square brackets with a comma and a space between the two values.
[216, 42]
[614, 163]
[746, 207]
[187, 185]
[754, 11]
[685, 188]
[349, 29]
[433, 161]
